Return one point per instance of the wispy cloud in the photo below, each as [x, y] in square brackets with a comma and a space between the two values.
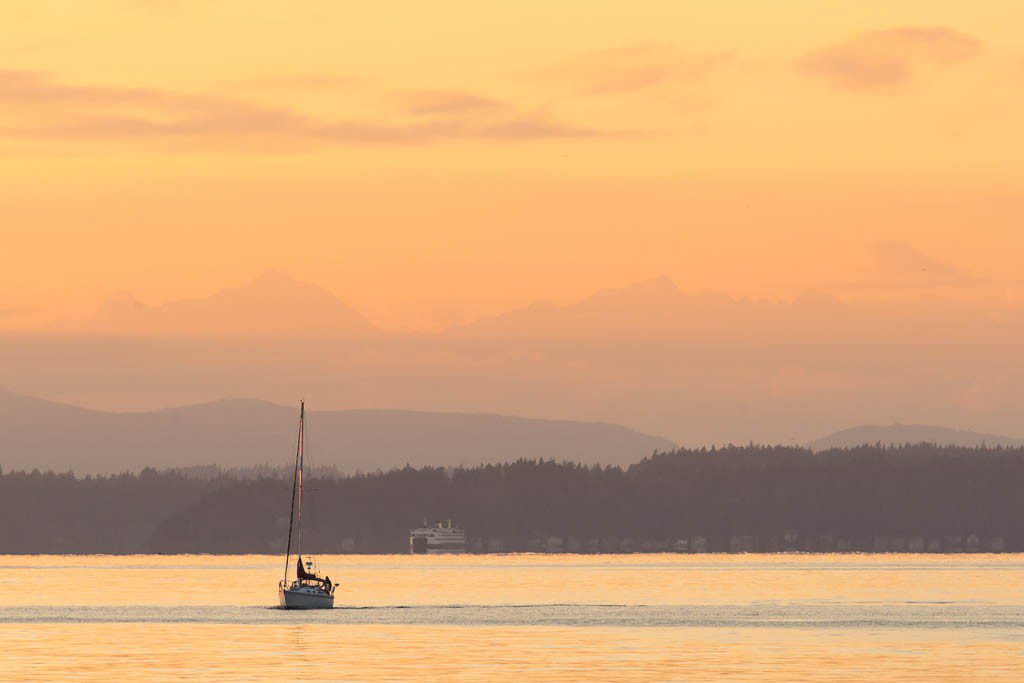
[903, 263]
[884, 61]
[15, 312]
[898, 266]
[33, 88]
[428, 102]
[297, 82]
[539, 126]
[54, 110]
[627, 69]
[286, 126]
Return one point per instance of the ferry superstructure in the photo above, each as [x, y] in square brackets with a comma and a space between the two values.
[434, 539]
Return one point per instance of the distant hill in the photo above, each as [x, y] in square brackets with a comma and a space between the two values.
[272, 304]
[902, 434]
[237, 433]
[697, 367]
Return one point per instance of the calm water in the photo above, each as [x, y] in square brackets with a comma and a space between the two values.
[496, 618]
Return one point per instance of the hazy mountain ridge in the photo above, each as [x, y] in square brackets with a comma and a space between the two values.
[273, 303]
[658, 309]
[243, 432]
[699, 368]
[900, 434]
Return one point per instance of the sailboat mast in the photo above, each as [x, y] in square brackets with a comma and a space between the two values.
[296, 479]
[298, 507]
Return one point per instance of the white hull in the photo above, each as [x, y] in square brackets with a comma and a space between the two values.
[437, 539]
[304, 598]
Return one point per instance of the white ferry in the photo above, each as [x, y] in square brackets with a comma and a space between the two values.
[433, 539]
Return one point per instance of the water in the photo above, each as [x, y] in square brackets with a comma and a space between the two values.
[516, 617]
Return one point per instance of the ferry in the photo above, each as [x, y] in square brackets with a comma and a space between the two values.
[435, 539]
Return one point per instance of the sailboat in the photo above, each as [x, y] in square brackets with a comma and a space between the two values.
[309, 590]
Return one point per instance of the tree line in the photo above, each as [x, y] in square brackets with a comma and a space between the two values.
[766, 492]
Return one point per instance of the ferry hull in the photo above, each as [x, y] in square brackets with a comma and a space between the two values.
[299, 599]
[439, 539]
[419, 546]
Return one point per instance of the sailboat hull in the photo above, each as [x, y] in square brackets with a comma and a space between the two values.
[304, 598]
[308, 591]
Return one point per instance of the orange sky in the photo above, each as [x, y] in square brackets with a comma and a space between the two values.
[434, 162]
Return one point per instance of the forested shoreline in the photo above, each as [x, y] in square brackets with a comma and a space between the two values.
[741, 499]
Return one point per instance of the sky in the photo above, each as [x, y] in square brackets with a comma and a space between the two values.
[434, 163]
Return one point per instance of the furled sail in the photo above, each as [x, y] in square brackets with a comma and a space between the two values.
[303, 574]
[309, 591]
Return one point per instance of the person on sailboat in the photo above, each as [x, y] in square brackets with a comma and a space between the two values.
[304, 575]
[308, 591]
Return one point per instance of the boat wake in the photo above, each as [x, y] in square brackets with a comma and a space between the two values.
[760, 615]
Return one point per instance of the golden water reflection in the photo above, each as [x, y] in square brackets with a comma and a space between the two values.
[41, 597]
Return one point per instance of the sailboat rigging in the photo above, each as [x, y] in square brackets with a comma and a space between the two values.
[309, 590]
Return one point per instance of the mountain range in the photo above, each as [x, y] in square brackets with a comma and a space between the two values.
[273, 303]
[229, 433]
[696, 367]
[899, 434]
[41, 434]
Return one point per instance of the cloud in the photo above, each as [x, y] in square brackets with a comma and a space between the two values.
[297, 82]
[884, 61]
[16, 312]
[58, 111]
[902, 262]
[628, 69]
[538, 126]
[32, 88]
[421, 102]
[240, 123]
[522, 127]
[896, 265]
